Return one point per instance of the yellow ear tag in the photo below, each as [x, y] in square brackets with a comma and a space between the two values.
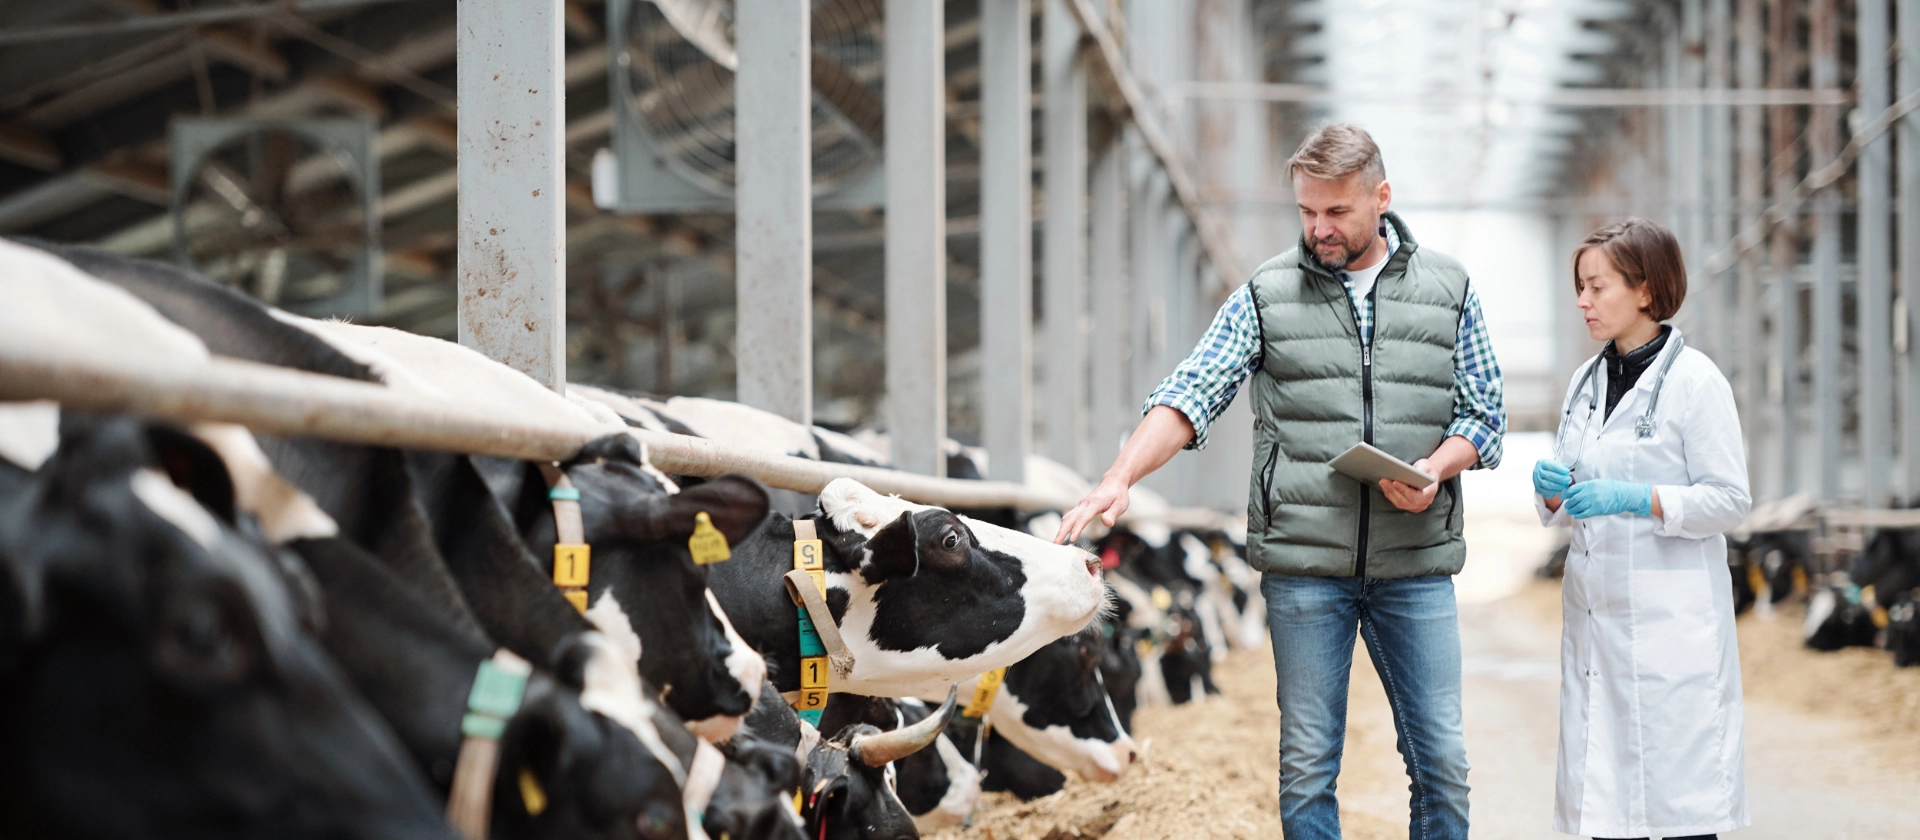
[1162, 599]
[530, 793]
[984, 692]
[707, 545]
[796, 802]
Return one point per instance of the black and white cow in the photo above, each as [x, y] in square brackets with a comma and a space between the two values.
[160, 679]
[847, 788]
[1890, 565]
[923, 597]
[938, 786]
[426, 512]
[1054, 706]
[1903, 631]
[592, 777]
[1836, 619]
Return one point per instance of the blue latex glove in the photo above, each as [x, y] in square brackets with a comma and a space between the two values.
[1550, 478]
[1606, 497]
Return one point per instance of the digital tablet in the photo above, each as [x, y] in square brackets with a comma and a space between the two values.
[1365, 463]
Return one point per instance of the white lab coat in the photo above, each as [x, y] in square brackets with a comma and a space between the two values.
[1650, 710]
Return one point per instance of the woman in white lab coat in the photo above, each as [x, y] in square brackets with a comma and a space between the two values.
[1650, 468]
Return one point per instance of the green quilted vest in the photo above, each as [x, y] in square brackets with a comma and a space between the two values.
[1318, 392]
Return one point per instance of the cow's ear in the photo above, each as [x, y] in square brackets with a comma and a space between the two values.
[890, 551]
[195, 468]
[618, 447]
[735, 504]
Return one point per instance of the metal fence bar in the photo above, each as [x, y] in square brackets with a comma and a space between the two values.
[280, 401]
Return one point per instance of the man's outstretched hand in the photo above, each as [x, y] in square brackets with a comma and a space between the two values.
[1108, 502]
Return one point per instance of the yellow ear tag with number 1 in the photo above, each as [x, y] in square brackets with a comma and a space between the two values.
[707, 545]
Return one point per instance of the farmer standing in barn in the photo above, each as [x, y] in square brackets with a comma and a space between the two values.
[1356, 334]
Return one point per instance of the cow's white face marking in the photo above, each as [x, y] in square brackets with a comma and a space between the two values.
[158, 492]
[285, 513]
[1060, 596]
[29, 432]
[963, 790]
[1056, 746]
[747, 668]
[612, 688]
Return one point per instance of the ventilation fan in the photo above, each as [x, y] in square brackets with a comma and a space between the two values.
[671, 84]
[285, 210]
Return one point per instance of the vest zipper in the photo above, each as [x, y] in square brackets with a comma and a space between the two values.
[1266, 483]
[1366, 434]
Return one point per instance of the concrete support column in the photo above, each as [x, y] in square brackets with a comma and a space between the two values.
[916, 238]
[1064, 237]
[773, 245]
[511, 252]
[1113, 413]
[1717, 180]
[1875, 234]
[1006, 237]
[1824, 143]
[1909, 138]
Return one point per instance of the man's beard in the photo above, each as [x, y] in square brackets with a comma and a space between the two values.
[1348, 252]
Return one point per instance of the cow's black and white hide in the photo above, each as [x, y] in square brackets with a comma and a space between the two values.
[1783, 558]
[848, 781]
[1120, 662]
[417, 666]
[1890, 565]
[427, 515]
[938, 785]
[642, 577]
[1007, 768]
[1903, 631]
[923, 597]
[160, 681]
[1172, 606]
[1836, 619]
[1054, 706]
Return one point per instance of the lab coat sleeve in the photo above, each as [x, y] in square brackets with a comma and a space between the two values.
[1718, 498]
[1549, 517]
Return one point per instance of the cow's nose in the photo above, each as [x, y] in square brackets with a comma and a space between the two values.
[1093, 566]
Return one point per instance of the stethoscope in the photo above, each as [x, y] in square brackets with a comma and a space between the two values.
[1642, 427]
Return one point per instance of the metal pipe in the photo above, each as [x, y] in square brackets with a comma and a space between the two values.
[511, 231]
[176, 20]
[1564, 98]
[773, 98]
[1064, 238]
[916, 250]
[1874, 260]
[1006, 237]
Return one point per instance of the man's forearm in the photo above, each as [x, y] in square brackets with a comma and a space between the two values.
[1160, 436]
[1455, 456]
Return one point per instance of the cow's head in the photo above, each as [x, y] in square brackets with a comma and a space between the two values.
[927, 598]
[646, 588]
[939, 786]
[164, 661]
[848, 786]
[566, 772]
[755, 794]
[1054, 705]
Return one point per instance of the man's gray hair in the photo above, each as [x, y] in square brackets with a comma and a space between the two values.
[1336, 150]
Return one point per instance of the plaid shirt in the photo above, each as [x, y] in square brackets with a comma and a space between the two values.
[1204, 383]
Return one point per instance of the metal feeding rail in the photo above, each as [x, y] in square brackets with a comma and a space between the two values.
[280, 401]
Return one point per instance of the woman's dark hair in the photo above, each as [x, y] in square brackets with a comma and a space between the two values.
[1646, 255]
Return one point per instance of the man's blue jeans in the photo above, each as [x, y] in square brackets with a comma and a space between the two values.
[1412, 631]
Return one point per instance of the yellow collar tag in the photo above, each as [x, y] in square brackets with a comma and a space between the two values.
[707, 545]
[983, 694]
[531, 794]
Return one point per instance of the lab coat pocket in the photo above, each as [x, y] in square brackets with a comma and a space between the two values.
[1676, 662]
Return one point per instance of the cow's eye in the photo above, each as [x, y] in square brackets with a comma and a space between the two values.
[951, 541]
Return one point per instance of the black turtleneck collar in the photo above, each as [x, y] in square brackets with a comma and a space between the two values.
[1624, 369]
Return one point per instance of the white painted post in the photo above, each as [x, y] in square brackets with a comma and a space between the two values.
[1873, 300]
[511, 234]
[1909, 132]
[916, 248]
[773, 98]
[1006, 237]
[1064, 238]
[1112, 414]
[1824, 136]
